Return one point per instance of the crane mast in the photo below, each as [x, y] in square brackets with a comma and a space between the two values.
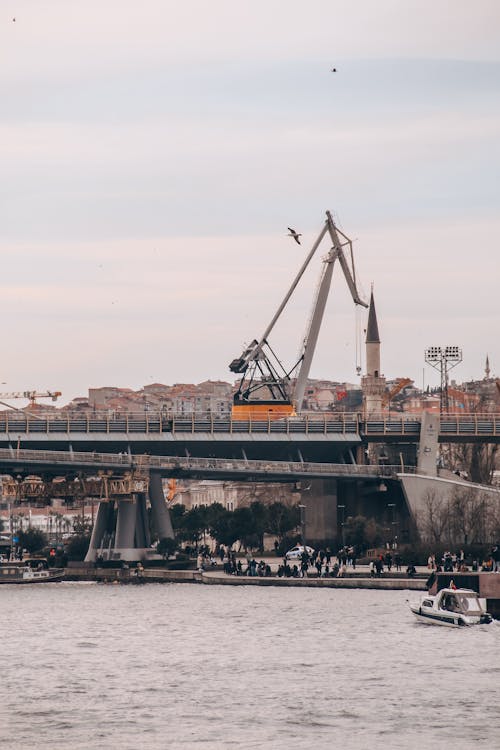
[258, 364]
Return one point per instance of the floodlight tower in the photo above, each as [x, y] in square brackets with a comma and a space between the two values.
[443, 358]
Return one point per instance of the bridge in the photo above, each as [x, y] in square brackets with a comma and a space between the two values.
[56, 463]
[311, 437]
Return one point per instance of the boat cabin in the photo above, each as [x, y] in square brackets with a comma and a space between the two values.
[460, 602]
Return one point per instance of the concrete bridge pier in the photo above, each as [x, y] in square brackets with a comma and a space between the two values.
[159, 510]
[121, 528]
[102, 525]
[320, 498]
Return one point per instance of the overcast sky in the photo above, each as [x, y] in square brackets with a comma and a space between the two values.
[153, 154]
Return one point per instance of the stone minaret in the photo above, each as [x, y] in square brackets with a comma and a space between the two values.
[373, 383]
[487, 370]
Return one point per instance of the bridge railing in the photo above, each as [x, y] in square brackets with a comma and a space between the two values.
[325, 423]
[158, 423]
[124, 462]
[475, 425]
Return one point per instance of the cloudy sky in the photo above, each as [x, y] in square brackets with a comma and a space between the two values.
[153, 154]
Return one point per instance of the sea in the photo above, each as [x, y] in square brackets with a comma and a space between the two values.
[89, 666]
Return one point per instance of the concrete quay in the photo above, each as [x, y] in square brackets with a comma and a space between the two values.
[354, 579]
[386, 582]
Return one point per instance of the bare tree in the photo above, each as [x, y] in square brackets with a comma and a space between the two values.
[468, 516]
[435, 517]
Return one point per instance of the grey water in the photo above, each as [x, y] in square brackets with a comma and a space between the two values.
[89, 666]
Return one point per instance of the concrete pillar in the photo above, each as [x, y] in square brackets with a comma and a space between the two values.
[142, 535]
[429, 444]
[161, 516]
[321, 511]
[125, 525]
[101, 526]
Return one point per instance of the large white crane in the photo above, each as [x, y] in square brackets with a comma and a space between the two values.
[260, 367]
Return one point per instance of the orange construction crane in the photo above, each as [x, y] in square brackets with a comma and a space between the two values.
[30, 395]
[397, 388]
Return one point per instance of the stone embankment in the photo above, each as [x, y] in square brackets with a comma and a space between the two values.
[359, 579]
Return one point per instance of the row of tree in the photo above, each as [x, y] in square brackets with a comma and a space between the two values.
[246, 525]
[466, 517]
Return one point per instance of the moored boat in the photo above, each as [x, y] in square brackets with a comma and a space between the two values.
[22, 572]
[452, 608]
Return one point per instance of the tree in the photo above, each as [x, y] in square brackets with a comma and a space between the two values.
[436, 517]
[468, 514]
[281, 519]
[244, 527]
[194, 524]
[222, 527]
[32, 540]
[259, 513]
[77, 546]
[166, 547]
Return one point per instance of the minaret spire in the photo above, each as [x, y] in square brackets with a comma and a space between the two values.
[373, 383]
[487, 370]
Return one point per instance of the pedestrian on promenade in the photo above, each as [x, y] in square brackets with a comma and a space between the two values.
[411, 571]
[495, 556]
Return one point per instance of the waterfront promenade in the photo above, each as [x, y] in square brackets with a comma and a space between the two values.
[354, 578]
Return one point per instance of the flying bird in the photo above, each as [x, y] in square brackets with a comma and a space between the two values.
[334, 70]
[294, 234]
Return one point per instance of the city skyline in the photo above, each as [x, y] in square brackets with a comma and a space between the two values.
[154, 157]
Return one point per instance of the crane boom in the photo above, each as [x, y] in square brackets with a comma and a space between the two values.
[311, 339]
[32, 395]
[261, 370]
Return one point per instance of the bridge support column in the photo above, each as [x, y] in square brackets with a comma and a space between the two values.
[123, 535]
[428, 448]
[161, 516]
[102, 526]
[320, 500]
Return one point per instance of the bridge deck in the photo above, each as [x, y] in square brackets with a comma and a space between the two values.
[187, 467]
[330, 427]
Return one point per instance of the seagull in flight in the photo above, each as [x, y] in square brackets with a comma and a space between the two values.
[294, 234]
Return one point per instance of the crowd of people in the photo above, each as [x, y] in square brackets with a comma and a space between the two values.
[323, 563]
[458, 562]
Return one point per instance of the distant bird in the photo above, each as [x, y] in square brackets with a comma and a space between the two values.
[334, 70]
[294, 234]
[14, 20]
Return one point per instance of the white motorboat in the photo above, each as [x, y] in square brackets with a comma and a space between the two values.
[451, 607]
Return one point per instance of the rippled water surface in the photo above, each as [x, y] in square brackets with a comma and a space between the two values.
[88, 666]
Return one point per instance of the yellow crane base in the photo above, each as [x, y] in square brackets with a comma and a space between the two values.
[262, 410]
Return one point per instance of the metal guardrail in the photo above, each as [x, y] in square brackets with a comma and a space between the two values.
[126, 462]
[157, 423]
[152, 423]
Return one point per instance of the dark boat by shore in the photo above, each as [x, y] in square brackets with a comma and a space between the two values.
[24, 572]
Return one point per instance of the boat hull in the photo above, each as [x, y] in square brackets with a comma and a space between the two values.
[434, 618]
[34, 577]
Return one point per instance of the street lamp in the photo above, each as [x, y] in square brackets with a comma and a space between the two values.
[392, 506]
[342, 508]
[303, 524]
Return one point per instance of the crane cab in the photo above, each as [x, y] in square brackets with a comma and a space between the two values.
[263, 410]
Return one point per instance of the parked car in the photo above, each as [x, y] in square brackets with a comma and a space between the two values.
[296, 552]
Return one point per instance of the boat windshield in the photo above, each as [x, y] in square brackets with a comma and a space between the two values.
[465, 603]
